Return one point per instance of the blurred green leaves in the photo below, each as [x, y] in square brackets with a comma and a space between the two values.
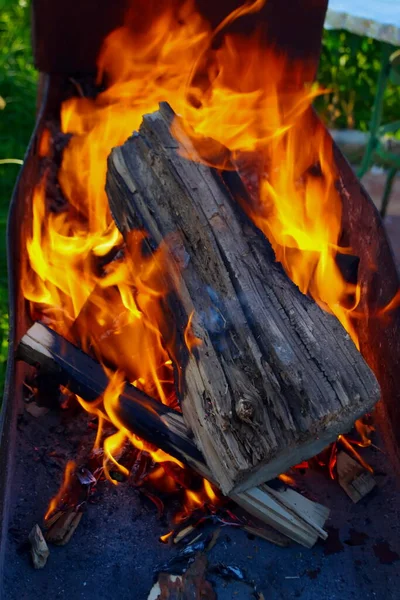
[17, 116]
[349, 69]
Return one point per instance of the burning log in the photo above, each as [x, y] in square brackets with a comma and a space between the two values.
[288, 512]
[275, 379]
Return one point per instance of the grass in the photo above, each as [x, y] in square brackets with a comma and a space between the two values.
[349, 67]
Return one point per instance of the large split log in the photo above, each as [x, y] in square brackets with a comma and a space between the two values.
[275, 379]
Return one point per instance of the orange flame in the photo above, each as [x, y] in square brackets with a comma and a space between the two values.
[211, 494]
[191, 340]
[288, 479]
[69, 471]
[354, 452]
[105, 293]
[364, 430]
[164, 538]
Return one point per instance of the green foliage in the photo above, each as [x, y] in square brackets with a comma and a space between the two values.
[349, 68]
[17, 116]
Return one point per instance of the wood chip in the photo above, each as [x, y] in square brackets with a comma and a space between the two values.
[35, 410]
[39, 549]
[64, 527]
[356, 481]
[183, 533]
[53, 519]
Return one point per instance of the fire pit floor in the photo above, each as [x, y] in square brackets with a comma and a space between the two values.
[116, 551]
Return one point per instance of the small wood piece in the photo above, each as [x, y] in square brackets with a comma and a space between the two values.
[275, 379]
[356, 481]
[287, 511]
[45, 348]
[35, 410]
[39, 549]
[64, 527]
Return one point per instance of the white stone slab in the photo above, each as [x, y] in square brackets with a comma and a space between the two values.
[378, 19]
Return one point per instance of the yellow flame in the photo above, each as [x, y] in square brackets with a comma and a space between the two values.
[69, 471]
[237, 94]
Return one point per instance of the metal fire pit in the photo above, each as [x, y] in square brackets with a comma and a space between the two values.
[116, 549]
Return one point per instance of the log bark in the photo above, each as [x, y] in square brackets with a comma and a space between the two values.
[275, 378]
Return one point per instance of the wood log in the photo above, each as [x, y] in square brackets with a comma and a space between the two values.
[275, 378]
[50, 353]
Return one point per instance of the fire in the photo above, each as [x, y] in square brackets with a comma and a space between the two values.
[59, 497]
[105, 293]
[285, 478]
[354, 452]
[206, 495]
[111, 396]
[364, 430]
[191, 340]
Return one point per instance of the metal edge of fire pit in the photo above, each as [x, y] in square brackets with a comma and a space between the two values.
[12, 397]
[379, 334]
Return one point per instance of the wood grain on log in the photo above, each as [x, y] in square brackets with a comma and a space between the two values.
[275, 379]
